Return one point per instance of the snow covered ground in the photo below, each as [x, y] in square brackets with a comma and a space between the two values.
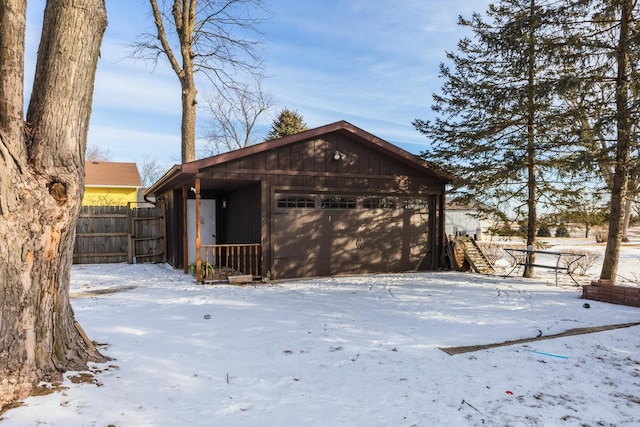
[346, 351]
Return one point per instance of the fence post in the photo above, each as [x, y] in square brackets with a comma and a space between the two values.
[163, 230]
[130, 242]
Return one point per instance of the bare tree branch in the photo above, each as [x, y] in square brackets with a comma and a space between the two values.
[150, 171]
[234, 114]
[214, 37]
[97, 154]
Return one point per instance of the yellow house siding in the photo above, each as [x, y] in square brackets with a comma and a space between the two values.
[105, 196]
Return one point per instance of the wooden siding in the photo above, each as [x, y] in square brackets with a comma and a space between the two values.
[174, 229]
[311, 164]
[241, 217]
[109, 196]
[250, 182]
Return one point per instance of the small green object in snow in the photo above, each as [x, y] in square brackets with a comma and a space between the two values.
[586, 305]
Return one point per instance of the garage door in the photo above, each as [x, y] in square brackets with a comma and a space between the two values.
[320, 234]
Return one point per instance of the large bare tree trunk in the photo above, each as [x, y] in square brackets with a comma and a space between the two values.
[184, 19]
[12, 28]
[211, 40]
[41, 187]
[188, 129]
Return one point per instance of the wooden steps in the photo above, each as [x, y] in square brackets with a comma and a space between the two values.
[467, 248]
[242, 279]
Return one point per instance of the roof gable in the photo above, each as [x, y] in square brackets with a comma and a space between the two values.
[342, 126]
[111, 174]
[231, 160]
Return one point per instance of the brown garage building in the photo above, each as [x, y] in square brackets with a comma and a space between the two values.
[330, 200]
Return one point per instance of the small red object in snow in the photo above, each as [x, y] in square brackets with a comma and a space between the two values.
[509, 392]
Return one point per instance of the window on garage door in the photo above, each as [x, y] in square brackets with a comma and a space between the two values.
[415, 204]
[378, 203]
[338, 202]
[290, 201]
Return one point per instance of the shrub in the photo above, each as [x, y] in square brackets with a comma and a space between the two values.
[541, 245]
[582, 265]
[601, 235]
[544, 231]
[492, 251]
[562, 231]
[207, 269]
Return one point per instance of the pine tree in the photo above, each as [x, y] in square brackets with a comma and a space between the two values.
[287, 123]
[497, 124]
[625, 46]
[562, 231]
[601, 87]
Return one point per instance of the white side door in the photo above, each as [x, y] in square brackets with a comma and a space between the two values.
[207, 225]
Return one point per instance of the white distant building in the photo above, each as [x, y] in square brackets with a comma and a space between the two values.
[462, 220]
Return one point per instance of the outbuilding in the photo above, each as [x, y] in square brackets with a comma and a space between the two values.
[330, 200]
[110, 183]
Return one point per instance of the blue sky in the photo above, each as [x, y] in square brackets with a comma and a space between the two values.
[373, 64]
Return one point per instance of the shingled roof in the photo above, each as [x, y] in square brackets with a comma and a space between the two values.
[111, 174]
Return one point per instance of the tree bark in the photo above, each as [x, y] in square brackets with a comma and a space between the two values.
[12, 30]
[184, 19]
[184, 14]
[623, 146]
[41, 187]
[628, 207]
[531, 147]
[189, 103]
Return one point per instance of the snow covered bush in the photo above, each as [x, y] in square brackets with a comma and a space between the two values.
[601, 234]
[583, 264]
[492, 250]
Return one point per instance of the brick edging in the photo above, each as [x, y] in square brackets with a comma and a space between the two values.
[606, 291]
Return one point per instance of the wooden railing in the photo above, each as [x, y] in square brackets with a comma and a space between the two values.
[221, 261]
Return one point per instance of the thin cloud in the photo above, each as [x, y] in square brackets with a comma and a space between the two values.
[373, 64]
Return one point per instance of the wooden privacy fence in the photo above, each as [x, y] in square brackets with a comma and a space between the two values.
[110, 234]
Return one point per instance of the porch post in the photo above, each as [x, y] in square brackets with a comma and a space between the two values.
[266, 266]
[198, 260]
[185, 236]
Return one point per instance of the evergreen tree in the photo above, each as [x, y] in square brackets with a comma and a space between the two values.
[602, 87]
[562, 231]
[544, 231]
[287, 123]
[584, 205]
[497, 125]
[625, 46]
